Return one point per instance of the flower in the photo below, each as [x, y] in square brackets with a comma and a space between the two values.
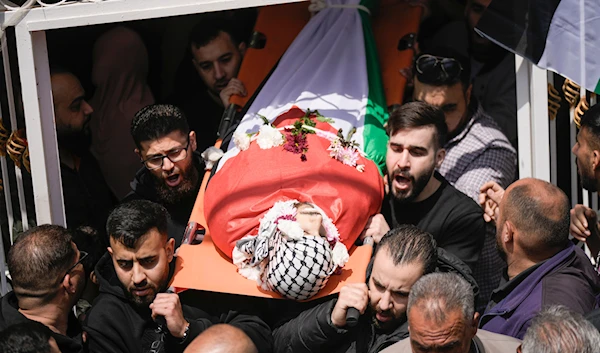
[339, 255]
[241, 140]
[291, 229]
[211, 155]
[348, 156]
[360, 168]
[295, 143]
[269, 137]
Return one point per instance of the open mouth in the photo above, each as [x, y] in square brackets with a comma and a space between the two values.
[383, 317]
[402, 182]
[173, 180]
[141, 292]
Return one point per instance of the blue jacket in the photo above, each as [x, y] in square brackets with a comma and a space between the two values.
[567, 278]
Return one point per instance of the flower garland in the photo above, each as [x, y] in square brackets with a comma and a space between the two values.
[295, 139]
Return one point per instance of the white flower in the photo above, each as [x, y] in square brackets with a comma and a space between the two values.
[339, 254]
[269, 137]
[291, 229]
[211, 155]
[360, 168]
[241, 140]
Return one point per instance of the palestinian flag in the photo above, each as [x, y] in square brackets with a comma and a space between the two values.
[558, 35]
[332, 67]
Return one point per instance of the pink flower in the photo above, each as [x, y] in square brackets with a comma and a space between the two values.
[348, 156]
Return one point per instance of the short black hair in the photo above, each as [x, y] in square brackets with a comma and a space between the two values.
[591, 122]
[418, 114]
[89, 240]
[209, 28]
[26, 337]
[130, 221]
[445, 52]
[39, 259]
[408, 244]
[157, 120]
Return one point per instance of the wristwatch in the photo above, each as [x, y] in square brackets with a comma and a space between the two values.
[185, 334]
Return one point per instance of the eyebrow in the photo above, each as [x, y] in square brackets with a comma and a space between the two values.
[77, 100]
[448, 106]
[409, 147]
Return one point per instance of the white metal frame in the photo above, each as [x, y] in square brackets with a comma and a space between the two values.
[35, 76]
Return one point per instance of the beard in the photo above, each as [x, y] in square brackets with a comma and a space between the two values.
[388, 326]
[75, 141]
[418, 184]
[143, 302]
[587, 182]
[186, 189]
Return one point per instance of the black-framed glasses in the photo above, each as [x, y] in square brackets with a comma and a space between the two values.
[175, 155]
[436, 69]
[82, 255]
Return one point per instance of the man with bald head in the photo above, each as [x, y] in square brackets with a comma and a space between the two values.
[544, 267]
[86, 195]
[222, 338]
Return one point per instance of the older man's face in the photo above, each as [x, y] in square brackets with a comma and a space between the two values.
[451, 334]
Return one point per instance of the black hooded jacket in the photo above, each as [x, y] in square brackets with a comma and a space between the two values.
[144, 188]
[115, 325]
[10, 315]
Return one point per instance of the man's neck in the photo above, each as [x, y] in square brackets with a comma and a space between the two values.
[52, 315]
[432, 186]
[518, 265]
[66, 157]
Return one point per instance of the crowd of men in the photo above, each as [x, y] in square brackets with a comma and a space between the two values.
[467, 259]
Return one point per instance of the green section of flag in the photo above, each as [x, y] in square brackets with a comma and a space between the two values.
[597, 89]
[374, 135]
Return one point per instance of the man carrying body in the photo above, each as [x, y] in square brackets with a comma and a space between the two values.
[48, 279]
[133, 310]
[217, 56]
[544, 267]
[171, 171]
[401, 258]
[418, 194]
[442, 318]
[87, 198]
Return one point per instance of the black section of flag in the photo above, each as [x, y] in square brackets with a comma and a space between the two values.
[519, 25]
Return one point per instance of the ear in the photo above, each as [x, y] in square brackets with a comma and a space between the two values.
[508, 232]
[137, 151]
[93, 277]
[169, 249]
[468, 94]
[192, 137]
[69, 285]
[110, 251]
[596, 160]
[474, 324]
[242, 48]
[439, 157]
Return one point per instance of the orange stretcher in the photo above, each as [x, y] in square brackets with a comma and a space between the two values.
[203, 266]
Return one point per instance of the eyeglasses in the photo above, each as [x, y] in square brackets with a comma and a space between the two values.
[175, 155]
[82, 255]
[437, 69]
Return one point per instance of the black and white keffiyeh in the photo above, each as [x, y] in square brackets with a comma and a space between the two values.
[282, 258]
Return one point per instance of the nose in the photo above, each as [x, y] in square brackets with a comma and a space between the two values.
[139, 276]
[219, 71]
[386, 301]
[403, 161]
[87, 108]
[574, 149]
[167, 164]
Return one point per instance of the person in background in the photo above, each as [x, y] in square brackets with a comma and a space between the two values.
[28, 337]
[119, 75]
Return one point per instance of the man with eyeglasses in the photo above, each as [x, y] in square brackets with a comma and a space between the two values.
[171, 169]
[47, 278]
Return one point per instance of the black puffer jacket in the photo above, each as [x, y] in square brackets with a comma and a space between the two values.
[114, 325]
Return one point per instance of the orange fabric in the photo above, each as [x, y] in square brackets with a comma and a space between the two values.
[280, 24]
[394, 20]
[204, 267]
[248, 185]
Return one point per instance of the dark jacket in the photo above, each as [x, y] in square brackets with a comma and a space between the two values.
[10, 315]
[115, 325]
[312, 331]
[567, 278]
[143, 187]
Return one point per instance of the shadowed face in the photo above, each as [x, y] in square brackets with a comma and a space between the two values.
[585, 157]
[71, 111]
[452, 100]
[144, 270]
[389, 286]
